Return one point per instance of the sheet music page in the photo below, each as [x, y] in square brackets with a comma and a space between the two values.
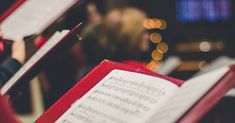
[38, 55]
[33, 17]
[121, 97]
[217, 63]
[189, 93]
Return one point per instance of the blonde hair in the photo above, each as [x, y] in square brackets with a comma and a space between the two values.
[116, 39]
[132, 24]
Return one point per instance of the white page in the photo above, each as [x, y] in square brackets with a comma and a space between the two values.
[217, 63]
[33, 17]
[231, 93]
[191, 91]
[38, 55]
[169, 65]
[120, 97]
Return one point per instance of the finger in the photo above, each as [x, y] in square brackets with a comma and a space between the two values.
[1, 34]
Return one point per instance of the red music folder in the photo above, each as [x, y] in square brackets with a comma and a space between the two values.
[115, 92]
[88, 82]
[7, 115]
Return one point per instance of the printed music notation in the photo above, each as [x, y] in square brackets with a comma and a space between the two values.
[121, 97]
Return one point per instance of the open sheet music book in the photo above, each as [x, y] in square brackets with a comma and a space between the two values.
[118, 93]
[33, 17]
[59, 38]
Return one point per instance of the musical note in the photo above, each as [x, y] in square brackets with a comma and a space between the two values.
[120, 97]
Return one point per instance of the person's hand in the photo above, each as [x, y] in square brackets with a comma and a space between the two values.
[18, 51]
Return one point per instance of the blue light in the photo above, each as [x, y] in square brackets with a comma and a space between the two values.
[203, 10]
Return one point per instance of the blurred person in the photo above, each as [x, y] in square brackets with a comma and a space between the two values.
[119, 37]
[14, 62]
[93, 14]
[94, 10]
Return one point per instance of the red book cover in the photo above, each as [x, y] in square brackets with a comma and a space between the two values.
[88, 82]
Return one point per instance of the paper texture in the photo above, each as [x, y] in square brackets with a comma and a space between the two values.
[190, 92]
[121, 97]
[33, 17]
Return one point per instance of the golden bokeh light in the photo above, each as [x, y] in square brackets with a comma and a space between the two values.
[146, 24]
[163, 24]
[157, 23]
[155, 37]
[151, 23]
[153, 65]
[162, 47]
[202, 64]
[156, 55]
[154, 23]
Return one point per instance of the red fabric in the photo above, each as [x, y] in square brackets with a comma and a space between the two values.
[135, 64]
[78, 55]
[40, 41]
[1, 46]
[7, 115]
[89, 81]
[11, 9]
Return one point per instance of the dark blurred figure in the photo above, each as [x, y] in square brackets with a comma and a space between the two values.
[60, 73]
[93, 15]
[120, 36]
[13, 63]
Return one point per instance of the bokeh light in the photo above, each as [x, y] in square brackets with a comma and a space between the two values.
[155, 37]
[205, 46]
[156, 55]
[163, 24]
[155, 23]
[162, 47]
[153, 65]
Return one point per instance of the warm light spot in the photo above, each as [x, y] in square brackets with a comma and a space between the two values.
[155, 37]
[146, 24]
[189, 66]
[202, 64]
[162, 47]
[163, 24]
[153, 65]
[205, 46]
[157, 55]
[157, 23]
[151, 23]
